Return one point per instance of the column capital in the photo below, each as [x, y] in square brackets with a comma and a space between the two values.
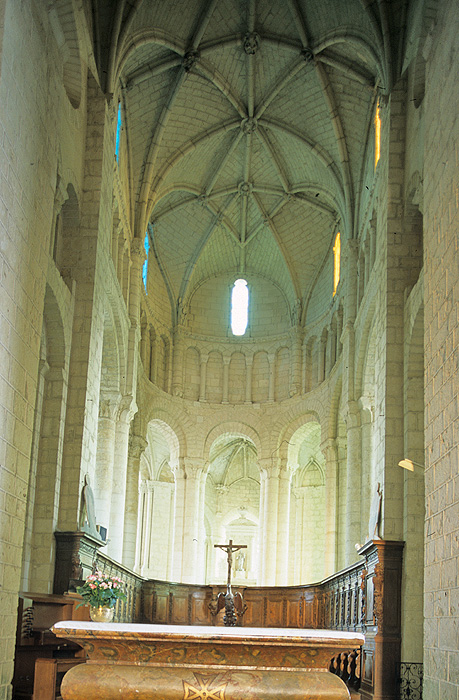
[109, 403]
[137, 446]
[352, 415]
[329, 448]
[192, 466]
[127, 408]
[137, 250]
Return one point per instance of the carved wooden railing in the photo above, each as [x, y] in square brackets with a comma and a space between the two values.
[365, 597]
[78, 555]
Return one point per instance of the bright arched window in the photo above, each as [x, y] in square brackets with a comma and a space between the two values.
[239, 307]
[336, 262]
[146, 245]
[377, 134]
[119, 124]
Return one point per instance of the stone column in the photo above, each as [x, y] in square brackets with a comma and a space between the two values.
[137, 260]
[226, 363]
[269, 527]
[201, 570]
[248, 384]
[353, 482]
[118, 500]
[137, 445]
[177, 363]
[148, 490]
[179, 515]
[321, 366]
[298, 547]
[283, 526]
[202, 387]
[191, 520]
[103, 482]
[261, 520]
[295, 378]
[272, 366]
[368, 477]
[330, 452]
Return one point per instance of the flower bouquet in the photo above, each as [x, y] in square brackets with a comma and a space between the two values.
[101, 592]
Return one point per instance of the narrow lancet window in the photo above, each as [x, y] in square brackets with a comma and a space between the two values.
[377, 134]
[119, 124]
[146, 245]
[239, 307]
[336, 262]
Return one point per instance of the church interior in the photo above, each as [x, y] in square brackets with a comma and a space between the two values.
[229, 299]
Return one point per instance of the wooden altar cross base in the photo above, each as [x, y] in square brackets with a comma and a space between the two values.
[153, 662]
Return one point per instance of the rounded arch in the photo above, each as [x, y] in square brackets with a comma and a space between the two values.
[285, 439]
[233, 429]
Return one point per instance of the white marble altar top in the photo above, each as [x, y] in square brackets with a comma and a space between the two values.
[198, 632]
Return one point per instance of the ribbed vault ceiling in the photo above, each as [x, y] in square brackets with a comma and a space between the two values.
[246, 123]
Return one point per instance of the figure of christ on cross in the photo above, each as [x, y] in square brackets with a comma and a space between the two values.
[229, 549]
[233, 604]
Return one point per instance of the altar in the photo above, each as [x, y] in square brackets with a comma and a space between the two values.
[162, 662]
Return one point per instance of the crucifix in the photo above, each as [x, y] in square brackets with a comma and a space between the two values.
[233, 603]
[229, 549]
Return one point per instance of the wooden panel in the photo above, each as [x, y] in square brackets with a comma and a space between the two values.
[162, 609]
[200, 613]
[253, 617]
[274, 613]
[294, 613]
[179, 612]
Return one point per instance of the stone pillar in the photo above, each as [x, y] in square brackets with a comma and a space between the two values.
[295, 367]
[137, 260]
[353, 483]
[202, 387]
[148, 494]
[179, 515]
[201, 569]
[272, 366]
[103, 482]
[177, 363]
[330, 452]
[321, 367]
[368, 476]
[283, 525]
[191, 520]
[248, 384]
[226, 363]
[118, 500]
[137, 445]
[269, 527]
[261, 520]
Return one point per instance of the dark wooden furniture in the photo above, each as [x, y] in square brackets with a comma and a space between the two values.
[37, 612]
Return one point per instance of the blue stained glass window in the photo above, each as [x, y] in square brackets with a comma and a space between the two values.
[239, 307]
[119, 124]
[146, 245]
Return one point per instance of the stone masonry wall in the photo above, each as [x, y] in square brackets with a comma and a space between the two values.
[441, 255]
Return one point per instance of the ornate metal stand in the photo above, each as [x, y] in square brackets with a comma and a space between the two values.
[232, 602]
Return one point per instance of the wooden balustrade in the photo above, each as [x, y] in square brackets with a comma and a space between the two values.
[365, 597]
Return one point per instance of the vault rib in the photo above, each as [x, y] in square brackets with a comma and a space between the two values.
[223, 162]
[275, 159]
[155, 143]
[280, 245]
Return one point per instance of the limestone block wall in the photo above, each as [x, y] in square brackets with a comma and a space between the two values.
[38, 125]
[441, 223]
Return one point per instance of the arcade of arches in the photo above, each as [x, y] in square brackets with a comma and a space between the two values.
[251, 133]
